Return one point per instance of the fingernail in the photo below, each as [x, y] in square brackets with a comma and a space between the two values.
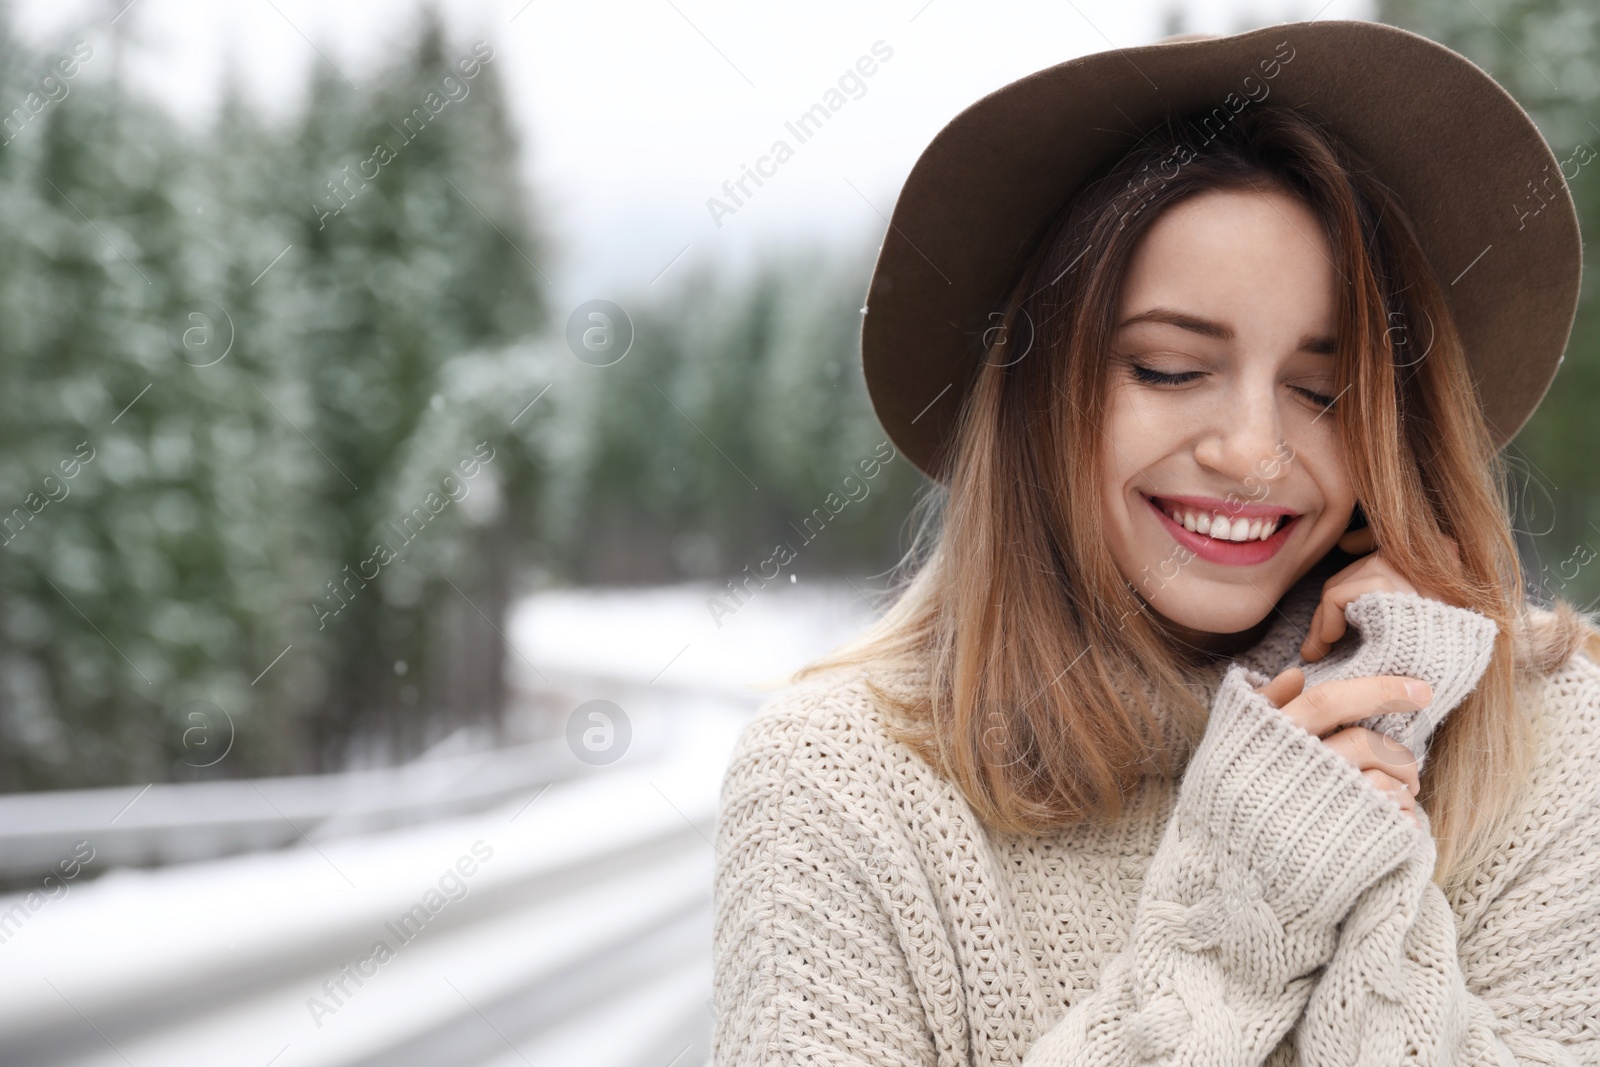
[1419, 691]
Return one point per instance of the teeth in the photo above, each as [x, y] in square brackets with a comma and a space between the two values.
[1221, 527]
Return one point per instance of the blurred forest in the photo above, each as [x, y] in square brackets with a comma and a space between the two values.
[238, 361]
[1547, 54]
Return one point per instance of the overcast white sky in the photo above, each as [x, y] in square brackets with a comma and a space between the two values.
[634, 112]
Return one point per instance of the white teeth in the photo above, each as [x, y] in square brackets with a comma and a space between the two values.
[1220, 527]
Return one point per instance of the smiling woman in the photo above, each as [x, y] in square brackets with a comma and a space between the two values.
[1132, 768]
[1223, 356]
[1237, 322]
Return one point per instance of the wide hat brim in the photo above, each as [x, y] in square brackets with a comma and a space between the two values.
[1483, 189]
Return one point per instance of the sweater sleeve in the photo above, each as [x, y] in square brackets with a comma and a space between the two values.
[1273, 837]
[1406, 633]
[1523, 987]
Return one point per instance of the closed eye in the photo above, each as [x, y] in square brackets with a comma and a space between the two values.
[1324, 402]
[1151, 376]
[1155, 377]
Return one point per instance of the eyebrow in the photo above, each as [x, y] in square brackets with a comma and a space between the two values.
[1207, 328]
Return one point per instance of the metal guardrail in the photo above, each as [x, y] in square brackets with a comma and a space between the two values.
[586, 938]
[226, 911]
[167, 823]
[164, 823]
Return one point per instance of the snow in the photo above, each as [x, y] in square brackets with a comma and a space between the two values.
[671, 633]
[597, 888]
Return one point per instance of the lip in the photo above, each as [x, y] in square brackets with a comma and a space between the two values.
[1235, 507]
[1230, 553]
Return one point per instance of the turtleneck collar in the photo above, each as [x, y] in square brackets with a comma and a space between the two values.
[1278, 649]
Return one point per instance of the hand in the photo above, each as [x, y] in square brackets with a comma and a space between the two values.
[1323, 709]
[1366, 575]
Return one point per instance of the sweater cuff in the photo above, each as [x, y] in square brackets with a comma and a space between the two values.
[1410, 634]
[1310, 831]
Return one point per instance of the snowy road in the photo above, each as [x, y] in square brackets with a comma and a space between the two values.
[568, 925]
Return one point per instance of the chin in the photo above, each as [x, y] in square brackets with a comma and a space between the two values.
[1228, 610]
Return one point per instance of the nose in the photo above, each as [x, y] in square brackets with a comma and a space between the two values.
[1244, 439]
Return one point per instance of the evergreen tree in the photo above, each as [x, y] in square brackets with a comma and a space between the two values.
[740, 408]
[417, 248]
[1547, 54]
[259, 386]
[264, 350]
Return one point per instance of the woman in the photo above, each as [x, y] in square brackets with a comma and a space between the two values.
[1132, 769]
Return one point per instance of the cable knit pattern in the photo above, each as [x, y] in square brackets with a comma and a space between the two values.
[1524, 987]
[1271, 906]
[1273, 837]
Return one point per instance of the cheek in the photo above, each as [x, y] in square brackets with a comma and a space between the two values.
[1132, 443]
[1324, 477]
[1140, 431]
[1153, 423]
[1322, 457]
[1118, 448]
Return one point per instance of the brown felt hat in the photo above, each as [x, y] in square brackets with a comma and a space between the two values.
[1484, 190]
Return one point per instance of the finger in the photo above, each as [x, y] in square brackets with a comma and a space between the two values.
[1310, 649]
[1369, 750]
[1333, 621]
[1363, 566]
[1285, 687]
[1322, 708]
[1390, 786]
[1317, 641]
[1336, 599]
[1366, 567]
[1394, 759]
[1358, 542]
[1385, 579]
[1396, 792]
[1316, 644]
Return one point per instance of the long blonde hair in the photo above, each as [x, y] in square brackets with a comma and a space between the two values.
[1048, 677]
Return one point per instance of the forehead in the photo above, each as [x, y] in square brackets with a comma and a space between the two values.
[1259, 261]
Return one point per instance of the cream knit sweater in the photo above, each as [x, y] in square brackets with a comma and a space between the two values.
[1269, 907]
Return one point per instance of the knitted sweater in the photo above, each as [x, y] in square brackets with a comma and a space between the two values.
[1269, 907]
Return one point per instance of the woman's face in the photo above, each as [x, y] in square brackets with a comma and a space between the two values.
[1223, 476]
